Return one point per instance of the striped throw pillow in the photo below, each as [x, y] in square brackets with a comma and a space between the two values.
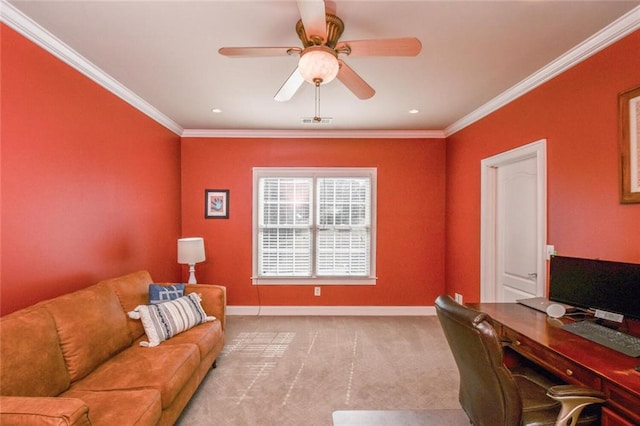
[165, 320]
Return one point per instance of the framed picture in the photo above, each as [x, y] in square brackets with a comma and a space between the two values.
[216, 204]
[629, 109]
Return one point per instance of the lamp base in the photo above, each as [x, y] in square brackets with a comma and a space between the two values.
[192, 274]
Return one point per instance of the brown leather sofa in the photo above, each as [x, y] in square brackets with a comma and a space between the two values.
[76, 359]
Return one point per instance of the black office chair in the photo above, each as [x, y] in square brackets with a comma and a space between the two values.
[491, 394]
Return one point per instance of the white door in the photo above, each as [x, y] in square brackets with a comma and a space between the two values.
[514, 224]
[516, 251]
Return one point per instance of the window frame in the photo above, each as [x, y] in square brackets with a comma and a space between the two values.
[314, 173]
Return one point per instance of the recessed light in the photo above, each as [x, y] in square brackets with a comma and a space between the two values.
[413, 111]
[216, 110]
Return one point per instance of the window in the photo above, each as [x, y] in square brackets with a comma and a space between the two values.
[314, 225]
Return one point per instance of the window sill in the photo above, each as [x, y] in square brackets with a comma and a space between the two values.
[315, 281]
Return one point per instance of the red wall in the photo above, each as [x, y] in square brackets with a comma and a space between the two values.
[410, 239]
[90, 186]
[577, 113]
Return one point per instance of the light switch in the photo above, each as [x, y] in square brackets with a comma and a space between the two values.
[551, 251]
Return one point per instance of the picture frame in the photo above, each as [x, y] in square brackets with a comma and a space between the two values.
[629, 145]
[216, 204]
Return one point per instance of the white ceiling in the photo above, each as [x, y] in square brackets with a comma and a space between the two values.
[476, 55]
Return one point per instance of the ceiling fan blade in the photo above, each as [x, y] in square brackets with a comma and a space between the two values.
[312, 14]
[248, 52]
[354, 82]
[409, 46]
[290, 87]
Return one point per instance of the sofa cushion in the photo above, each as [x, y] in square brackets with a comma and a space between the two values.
[206, 336]
[31, 363]
[92, 327]
[165, 368]
[159, 293]
[165, 320]
[132, 290]
[127, 407]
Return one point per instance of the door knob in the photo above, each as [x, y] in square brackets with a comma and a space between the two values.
[533, 275]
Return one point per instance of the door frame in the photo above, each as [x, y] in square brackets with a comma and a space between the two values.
[488, 222]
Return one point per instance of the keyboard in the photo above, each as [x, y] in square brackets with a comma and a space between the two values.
[621, 342]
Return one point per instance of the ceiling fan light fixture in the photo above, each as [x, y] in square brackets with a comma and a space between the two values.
[318, 63]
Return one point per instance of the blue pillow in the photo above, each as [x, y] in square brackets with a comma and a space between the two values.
[164, 293]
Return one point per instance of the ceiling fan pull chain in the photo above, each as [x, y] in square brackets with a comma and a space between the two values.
[317, 117]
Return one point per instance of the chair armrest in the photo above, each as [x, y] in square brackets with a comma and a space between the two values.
[573, 399]
[562, 391]
[23, 410]
[214, 299]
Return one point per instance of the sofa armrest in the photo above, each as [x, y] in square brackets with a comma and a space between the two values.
[23, 410]
[214, 299]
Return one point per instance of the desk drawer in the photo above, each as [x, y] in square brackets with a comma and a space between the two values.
[565, 369]
[610, 418]
[622, 401]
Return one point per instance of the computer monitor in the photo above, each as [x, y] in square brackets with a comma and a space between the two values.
[596, 284]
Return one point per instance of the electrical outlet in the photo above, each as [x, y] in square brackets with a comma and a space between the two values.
[316, 291]
[458, 298]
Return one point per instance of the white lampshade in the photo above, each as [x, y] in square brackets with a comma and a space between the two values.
[191, 250]
[318, 63]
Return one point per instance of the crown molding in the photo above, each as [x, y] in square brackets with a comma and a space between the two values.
[30, 29]
[618, 29]
[24, 25]
[307, 134]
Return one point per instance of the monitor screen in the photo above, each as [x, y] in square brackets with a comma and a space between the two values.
[596, 284]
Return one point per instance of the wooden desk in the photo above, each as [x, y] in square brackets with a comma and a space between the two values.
[572, 358]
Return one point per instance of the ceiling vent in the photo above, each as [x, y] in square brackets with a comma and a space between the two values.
[317, 120]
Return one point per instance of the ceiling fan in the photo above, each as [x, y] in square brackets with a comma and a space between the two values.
[319, 30]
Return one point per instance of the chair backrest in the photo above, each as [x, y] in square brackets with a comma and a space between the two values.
[488, 393]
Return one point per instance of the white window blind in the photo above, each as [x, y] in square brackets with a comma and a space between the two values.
[313, 224]
[285, 227]
[343, 238]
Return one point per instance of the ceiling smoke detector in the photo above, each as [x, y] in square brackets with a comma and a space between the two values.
[317, 120]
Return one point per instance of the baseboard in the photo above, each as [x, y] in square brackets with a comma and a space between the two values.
[332, 310]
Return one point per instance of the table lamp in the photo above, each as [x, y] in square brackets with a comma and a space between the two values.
[190, 252]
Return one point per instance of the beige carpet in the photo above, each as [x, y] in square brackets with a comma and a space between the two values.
[299, 370]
